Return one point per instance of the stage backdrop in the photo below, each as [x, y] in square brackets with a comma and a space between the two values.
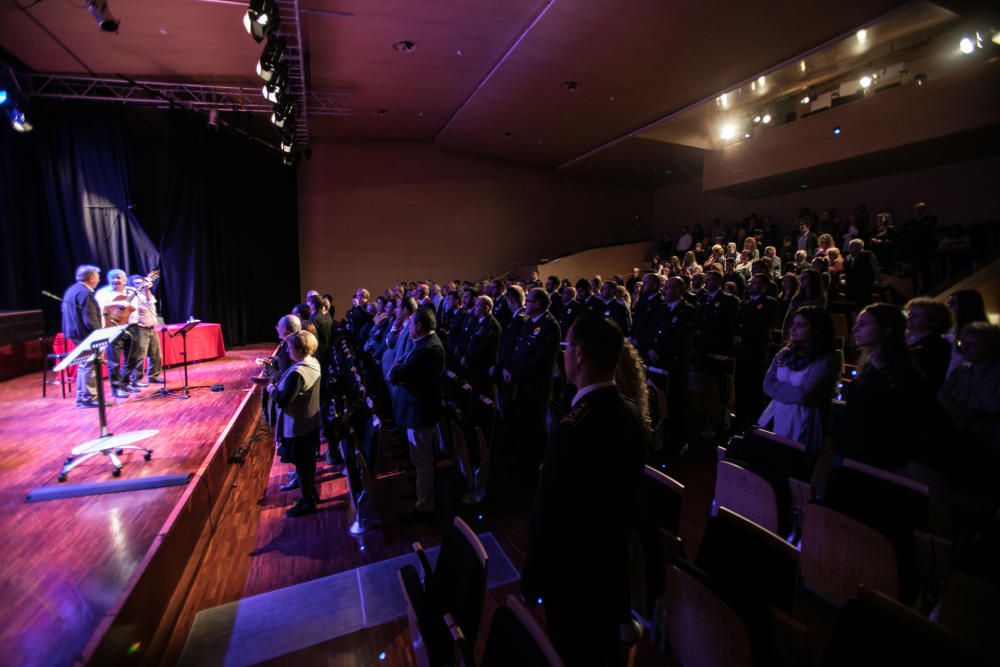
[222, 224]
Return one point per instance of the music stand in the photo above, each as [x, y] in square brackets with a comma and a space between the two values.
[108, 444]
[183, 332]
[164, 391]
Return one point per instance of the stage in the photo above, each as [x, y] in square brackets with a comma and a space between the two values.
[90, 578]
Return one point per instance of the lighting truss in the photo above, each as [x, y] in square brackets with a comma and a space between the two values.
[201, 96]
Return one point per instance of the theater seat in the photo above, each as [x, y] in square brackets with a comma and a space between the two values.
[747, 494]
[840, 553]
[515, 638]
[456, 586]
[655, 540]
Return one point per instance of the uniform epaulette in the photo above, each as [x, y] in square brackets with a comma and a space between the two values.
[576, 414]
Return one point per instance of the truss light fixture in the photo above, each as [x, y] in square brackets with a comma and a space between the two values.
[270, 58]
[274, 89]
[18, 121]
[102, 14]
[284, 113]
[261, 19]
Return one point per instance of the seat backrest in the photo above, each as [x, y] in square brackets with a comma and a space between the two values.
[746, 494]
[840, 553]
[516, 638]
[876, 630]
[891, 504]
[751, 567]
[660, 500]
[458, 584]
[701, 628]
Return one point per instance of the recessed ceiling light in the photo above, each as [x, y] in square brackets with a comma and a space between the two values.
[669, 171]
[727, 132]
[540, 142]
[459, 53]
[766, 119]
[865, 81]
[420, 113]
[802, 66]
[507, 135]
[569, 86]
[164, 32]
[966, 46]
[862, 36]
[611, 99]
[381, 112]
[756, 118]
[761, 81]
[404, 46]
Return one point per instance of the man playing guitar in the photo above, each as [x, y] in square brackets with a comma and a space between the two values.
[119, 305]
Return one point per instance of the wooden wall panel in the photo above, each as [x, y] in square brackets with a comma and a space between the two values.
[372, 214]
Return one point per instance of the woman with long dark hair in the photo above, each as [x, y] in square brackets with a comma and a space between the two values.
[811, 292]
[886, 420]
[802, 379]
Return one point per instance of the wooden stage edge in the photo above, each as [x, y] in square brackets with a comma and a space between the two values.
[138, 625]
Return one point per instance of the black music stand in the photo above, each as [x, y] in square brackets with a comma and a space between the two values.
[108, 444]
[164, 391]
[183, 332]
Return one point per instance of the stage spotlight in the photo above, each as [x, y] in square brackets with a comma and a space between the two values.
[271, 58]
[284, 113]
[727, 132]
[18, 121]
[287, 141]
[99, 10]
[261, 19]
[966, 46]
[865, 81]
[274, 89]
[756, 118]
[862, 36]
[766, 119]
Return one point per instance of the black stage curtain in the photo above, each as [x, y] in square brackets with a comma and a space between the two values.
[230, 233]
[224, 209]
[64, 201]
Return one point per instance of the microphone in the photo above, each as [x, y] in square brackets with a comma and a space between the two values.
[51, 295]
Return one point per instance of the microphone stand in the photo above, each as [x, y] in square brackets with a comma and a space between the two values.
[164, 391]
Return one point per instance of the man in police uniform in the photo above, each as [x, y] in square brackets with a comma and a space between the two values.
[528, 373]
[648, 313]
[717, 322]
[752, 340]
[571, 309]
[671, 351]
[481, 347]
[614, 309]
[577, 549]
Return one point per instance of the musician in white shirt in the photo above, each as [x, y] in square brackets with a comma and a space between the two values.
[119, 305]
[147, 343]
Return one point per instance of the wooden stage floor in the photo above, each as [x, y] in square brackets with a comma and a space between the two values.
[67, 561]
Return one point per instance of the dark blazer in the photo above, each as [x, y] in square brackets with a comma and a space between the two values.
[581, 554]
[80, 313]
[357, 318]
[646, 320]
[481, 347]
[416, 400]
[673, 336]
[532, 360]
[508, 340]
[754, 322]
[717, 321]
[618, 313]
[570, 312]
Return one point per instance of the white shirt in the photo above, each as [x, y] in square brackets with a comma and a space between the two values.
[106, 297]
[147, 310]
[583, 391]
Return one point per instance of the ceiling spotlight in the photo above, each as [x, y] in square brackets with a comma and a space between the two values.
[865, 81]
[756, 118]
[284, 113]
[728, 132]
[99, 10]
[862, 36]
[802, 65]
[766, 119]
[261, 19]
[761, 81]
[18, 121]
[805, 100]
[724, 100]
[274, 89]
[270, 58]
[966, 46]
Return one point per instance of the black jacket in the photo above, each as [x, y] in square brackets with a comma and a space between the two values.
[717, 322]
[416, 400]
[673, 336]
[534, 355]
[80, 313]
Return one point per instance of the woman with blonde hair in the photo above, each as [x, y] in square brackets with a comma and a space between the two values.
[298, 425]
[630, 376]
[750, 243]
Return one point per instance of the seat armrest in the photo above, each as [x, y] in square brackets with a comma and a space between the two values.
[791, 640]
[425, 563]
[463, 652]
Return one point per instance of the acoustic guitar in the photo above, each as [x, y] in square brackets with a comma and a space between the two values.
[118, 311]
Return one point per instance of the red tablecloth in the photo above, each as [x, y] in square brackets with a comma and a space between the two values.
[203, 342]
